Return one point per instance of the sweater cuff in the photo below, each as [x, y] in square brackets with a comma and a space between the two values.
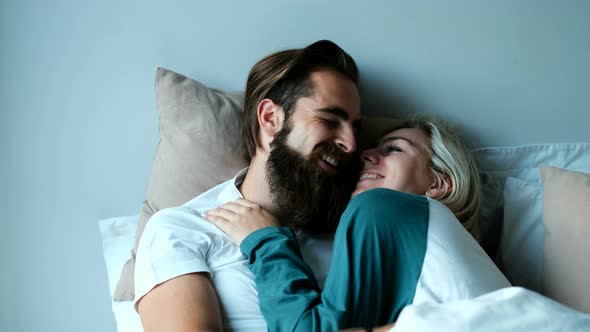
[255, 239]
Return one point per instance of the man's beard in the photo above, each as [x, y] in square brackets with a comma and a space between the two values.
[306, 196]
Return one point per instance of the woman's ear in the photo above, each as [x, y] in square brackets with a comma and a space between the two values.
[270, 121]
[441, 185]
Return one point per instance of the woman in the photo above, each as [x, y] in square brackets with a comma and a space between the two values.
[400, 240]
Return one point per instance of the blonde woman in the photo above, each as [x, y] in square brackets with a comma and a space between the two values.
[407, 236]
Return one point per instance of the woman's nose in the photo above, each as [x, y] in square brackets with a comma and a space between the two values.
[369, 157]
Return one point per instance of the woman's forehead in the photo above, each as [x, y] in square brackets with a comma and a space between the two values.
[412, 135]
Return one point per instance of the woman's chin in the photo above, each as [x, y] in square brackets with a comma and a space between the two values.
[358, 191]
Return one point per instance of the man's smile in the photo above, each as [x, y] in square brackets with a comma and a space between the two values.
[329, 165]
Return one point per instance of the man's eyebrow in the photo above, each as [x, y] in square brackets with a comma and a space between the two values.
[339, 112]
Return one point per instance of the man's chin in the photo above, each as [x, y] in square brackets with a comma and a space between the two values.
[309, 192]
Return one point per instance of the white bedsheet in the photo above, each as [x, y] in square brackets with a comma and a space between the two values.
[508, 309]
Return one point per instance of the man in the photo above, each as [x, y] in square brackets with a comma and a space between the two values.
[301, 116]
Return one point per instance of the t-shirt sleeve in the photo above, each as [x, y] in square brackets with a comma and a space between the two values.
[175, 242]
[379, 249]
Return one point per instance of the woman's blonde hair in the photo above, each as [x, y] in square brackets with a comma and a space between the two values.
[450, 157]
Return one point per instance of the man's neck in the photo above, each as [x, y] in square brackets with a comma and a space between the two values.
[255, 187]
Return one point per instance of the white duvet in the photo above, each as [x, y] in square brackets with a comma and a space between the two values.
[509, 309]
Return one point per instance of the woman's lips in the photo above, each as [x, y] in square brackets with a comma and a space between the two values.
[369, 175]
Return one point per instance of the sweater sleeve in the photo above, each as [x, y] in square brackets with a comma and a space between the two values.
[379, 249]
[287, 289]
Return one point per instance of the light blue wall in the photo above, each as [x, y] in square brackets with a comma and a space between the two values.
[79, 124]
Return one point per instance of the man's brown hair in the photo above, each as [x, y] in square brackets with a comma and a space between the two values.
[283, 77]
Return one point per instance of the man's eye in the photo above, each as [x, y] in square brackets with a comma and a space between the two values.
[332, 124]
[357, 128]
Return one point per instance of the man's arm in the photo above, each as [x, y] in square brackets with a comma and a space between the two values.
[185, 303]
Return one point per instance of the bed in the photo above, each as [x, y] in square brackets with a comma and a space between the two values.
[118, 236]
[534, 215]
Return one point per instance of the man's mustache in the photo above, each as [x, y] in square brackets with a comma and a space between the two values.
[328, 149]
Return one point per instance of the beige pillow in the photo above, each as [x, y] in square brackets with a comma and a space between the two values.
[199, 148]
[566, 216]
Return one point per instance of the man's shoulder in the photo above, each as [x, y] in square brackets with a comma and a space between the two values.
[178, 221]
[214, 197]
[187, 220]
[191, 212]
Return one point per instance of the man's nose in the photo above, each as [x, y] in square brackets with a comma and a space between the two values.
[370, 157]
[346, 141]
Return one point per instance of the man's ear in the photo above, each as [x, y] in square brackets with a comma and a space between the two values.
[270, 121]
[441, 185]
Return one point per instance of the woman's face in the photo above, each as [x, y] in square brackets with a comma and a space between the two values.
[399, 162]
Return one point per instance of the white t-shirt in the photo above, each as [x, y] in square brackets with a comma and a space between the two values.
[178, 241]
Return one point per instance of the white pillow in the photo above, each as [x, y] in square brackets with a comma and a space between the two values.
[521, 244]
[118, 237]
[521, 162]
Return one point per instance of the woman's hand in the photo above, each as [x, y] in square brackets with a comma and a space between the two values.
[240, 218]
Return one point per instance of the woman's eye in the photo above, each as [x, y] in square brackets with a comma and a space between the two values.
[392, 148]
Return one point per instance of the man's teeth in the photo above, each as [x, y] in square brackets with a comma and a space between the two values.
[330, 161]
[370, 176]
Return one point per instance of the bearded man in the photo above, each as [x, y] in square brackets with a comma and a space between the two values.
[301, 117]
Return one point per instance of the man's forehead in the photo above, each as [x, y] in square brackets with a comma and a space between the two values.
[332, 93]
[338, 108]
[342, 114]
[337, 111]
[332, 82]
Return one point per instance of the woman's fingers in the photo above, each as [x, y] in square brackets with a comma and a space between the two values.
[221, 213]
[238, 210]
[246, 203]
[240, 206]
[218, 221]
[233, 207]
[240, 218]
